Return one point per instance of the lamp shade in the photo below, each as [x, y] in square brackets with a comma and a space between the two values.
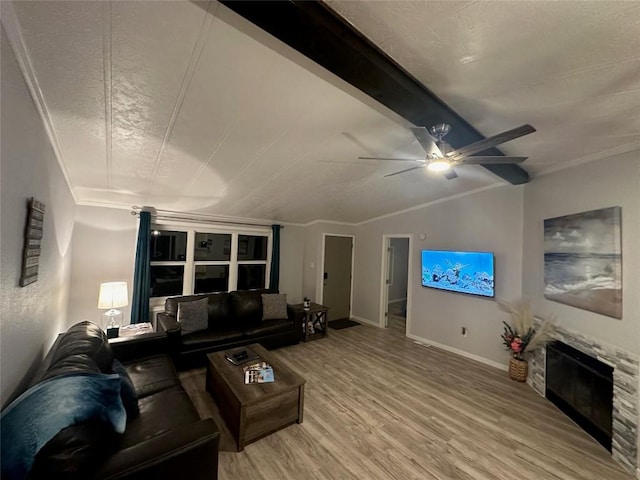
[113, 295]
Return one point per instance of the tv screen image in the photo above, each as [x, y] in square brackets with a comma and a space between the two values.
[463, 272]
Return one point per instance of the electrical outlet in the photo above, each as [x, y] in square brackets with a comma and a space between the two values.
[464, 331]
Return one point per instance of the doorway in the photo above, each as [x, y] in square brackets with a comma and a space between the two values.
[396, 274]
[337, 275]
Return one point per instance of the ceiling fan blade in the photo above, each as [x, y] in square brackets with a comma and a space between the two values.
[407, 170]
[427, 141]
[490, 160]
[491, 142]
[392, 159]
[450, 174]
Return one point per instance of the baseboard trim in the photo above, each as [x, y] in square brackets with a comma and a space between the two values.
[365, 320]
[462, 353]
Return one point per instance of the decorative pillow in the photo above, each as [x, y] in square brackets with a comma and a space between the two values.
[274, 306]
[127, 391]
[193, 316]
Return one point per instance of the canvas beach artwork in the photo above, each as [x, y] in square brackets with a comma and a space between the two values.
[583, 261]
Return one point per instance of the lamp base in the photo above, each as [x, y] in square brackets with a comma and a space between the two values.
[113, 332]
[112, 319]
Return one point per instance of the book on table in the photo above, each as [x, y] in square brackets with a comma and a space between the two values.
[259, 372]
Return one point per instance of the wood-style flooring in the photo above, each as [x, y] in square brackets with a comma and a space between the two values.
[379, 406]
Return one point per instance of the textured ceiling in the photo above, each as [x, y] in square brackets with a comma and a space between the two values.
[190, 107]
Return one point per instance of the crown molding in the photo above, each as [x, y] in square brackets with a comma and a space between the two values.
[14, 34]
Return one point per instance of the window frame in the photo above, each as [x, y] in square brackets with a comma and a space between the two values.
[188, 280]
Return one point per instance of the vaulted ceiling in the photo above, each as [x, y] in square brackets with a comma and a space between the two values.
[191, 107]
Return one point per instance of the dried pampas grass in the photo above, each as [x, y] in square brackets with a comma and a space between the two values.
[524, 323]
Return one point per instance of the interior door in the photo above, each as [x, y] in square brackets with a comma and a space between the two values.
[337, 276]
[397, 279]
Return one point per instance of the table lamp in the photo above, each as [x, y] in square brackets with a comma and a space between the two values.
[112, 295]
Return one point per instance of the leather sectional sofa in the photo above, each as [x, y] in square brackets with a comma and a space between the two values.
[234, 320]
[165, 440]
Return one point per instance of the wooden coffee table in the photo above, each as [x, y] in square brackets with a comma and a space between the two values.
[257, 410]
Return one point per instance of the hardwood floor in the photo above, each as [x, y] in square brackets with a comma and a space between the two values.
[379, 406]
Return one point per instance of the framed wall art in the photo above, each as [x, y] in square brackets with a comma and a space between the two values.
[583, 260]
[33, 233]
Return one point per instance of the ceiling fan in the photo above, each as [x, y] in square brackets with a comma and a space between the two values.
[442, 158]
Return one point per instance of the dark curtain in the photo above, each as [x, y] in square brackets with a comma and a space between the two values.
[274, 278]
[142, 272]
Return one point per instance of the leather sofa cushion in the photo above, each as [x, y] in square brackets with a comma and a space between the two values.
[159, 413]
[267, 327]
[246, 306]
[219, 310]
[85, 338]
[212, 337]
[151, 375]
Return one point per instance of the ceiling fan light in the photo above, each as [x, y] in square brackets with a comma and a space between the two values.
[439, 165]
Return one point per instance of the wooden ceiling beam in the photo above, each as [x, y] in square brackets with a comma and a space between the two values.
[316, 31]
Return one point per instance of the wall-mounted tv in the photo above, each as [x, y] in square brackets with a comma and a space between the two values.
[463, 272]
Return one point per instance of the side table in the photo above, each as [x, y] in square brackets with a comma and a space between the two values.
[314, 321]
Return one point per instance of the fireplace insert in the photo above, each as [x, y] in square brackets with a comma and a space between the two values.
[582, 387]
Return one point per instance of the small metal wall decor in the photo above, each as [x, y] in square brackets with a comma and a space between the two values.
[33, 233]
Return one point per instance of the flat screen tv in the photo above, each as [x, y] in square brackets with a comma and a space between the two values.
[463, 272]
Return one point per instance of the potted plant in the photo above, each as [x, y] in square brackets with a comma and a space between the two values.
[523, 336]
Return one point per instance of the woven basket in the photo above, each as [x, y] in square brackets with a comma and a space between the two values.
[518, 370]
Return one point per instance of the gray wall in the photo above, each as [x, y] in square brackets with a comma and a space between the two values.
[487, 221]
[610, 182]
[104, 248]
[30, 317]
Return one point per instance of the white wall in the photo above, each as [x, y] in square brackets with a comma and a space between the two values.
[32, 316]
[611, 182]
[104, 249]
[486, 221]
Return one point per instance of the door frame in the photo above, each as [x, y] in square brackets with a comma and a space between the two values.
[384, 275]
[321, 269]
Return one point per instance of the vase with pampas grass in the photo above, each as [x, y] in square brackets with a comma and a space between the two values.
[523, 335]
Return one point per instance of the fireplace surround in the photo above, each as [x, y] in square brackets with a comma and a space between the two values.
[582, 387]
[624, 435]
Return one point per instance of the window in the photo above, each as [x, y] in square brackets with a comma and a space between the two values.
[168, 252]
[192, 261]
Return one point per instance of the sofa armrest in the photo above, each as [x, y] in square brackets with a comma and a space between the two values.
[296, 316]
[126, 349]
[168, 323]
[191, 448]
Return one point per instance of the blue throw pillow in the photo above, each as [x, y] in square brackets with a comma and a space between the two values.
[127, 390]
[37, 415]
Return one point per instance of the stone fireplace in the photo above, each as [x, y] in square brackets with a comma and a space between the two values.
[624, 415]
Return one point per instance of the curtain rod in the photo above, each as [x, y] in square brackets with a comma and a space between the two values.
[194, 217]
